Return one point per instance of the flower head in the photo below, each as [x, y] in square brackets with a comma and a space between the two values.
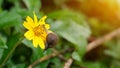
[37, 30]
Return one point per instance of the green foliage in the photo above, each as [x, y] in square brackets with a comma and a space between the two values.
[12, 42]
[94, 65]
[1, 1]
[2, 42]
[32, 5]
[99, 28]
[8, 20]
[113, 51]
[76, 56]
[71, 27]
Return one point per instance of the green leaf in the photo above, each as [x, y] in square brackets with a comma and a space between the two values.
[12, 42]
[76, 56]
[10, 64]
[56, 62]
[72, 27]
[68, 14]
[9, 19]
[18, 66]
[77, 20]
[43, 64]
[2, 45]
[33, 5]
[98, 28]
[92, 65]
[1, 2]
[2, 42]
[37, 54]
[72, 32]
[114, 48]
[23, 12]
[115, 64]
[1, 52]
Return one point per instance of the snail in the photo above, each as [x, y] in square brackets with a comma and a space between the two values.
[51, 40]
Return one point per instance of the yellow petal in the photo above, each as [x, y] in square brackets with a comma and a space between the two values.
[41, 43]
[35, 18]
[29, 19]
[26, 25]
[47, 26]
[35, 41]
[29, 35]
[42, 20]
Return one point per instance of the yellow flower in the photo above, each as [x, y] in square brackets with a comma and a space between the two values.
[37, 30]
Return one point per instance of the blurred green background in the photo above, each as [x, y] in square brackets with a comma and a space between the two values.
[76, 22]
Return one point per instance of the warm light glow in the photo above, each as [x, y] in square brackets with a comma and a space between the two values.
[118, 1]
[104, 10]
[115, 3]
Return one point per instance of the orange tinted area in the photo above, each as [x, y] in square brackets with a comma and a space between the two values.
[104, 10]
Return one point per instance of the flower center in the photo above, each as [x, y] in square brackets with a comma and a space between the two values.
[40, 31]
